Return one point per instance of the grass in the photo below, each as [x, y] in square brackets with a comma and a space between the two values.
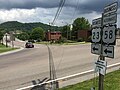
[3, 48]
[66, 43]
[111, 82]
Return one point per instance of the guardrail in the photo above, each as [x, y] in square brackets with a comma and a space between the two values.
[68, 77]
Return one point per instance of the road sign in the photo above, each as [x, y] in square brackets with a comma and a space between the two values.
[96, 48]
[112, 8]
[109, 36]
[108, 51]
[96, 35]
[101, 67]
[96, 22]
[110, 19]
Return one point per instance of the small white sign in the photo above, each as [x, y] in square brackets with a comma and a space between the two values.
[96, 48]
[96, 35]
[110, 19]
[109, 34]
[101, 67]
[112, 8]
[96, 22]
[108, 51]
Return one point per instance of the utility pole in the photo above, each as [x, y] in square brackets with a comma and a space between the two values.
[67, 31]
[54, 85]
[6, 39]
[71, 27]
[12, 39]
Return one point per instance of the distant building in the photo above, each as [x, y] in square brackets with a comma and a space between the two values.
[54, 35]
[84, 34]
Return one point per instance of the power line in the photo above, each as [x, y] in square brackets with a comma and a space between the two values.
[61, 4]
[76, 8]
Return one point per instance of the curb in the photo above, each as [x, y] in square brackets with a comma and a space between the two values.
[13, 51]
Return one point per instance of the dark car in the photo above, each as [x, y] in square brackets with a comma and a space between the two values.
[29, 45]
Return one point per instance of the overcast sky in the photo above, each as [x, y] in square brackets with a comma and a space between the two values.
[44, 10]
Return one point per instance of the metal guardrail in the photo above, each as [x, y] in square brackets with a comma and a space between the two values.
[68, 77]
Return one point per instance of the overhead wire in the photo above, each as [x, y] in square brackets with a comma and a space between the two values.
[61, 4]
[60, 7]
[77, 2]
[74, 13]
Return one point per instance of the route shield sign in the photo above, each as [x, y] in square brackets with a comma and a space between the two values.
[108, 51]
[96, 35]
[96, 49]
[109, 36]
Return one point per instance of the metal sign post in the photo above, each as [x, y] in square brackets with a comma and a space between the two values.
[103, 36]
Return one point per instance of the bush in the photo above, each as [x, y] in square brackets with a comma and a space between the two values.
[89, 39]
[62, 40]
[80, 40]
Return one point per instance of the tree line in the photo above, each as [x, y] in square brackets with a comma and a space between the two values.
[36, 31]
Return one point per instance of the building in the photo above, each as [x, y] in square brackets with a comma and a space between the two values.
[84, 34]
[53, 36]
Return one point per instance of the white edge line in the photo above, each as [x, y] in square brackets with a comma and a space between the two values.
[66, 77]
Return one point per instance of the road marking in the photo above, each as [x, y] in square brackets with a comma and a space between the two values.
[68, 77]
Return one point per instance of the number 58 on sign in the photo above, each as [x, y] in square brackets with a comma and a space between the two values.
[109, 34]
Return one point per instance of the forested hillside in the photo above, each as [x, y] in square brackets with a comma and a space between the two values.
[15, 25]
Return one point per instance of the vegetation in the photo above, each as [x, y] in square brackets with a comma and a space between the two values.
[5, 49]
[36, 31]
[1, 36]
[79, 24]
[16, 26]
[23, 36]
[66, 31]
[111, 82]
[37, 34]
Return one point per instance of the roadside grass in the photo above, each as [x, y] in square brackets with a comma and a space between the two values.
[3, 48]
[66, 43]
[111, 82]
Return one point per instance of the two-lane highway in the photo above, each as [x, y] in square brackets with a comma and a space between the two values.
[21, 68]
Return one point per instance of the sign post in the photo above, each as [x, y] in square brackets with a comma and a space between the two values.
[103, 39]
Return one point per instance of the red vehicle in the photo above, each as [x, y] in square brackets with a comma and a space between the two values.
[29, 45]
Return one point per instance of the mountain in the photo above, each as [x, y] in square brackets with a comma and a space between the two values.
[15, 25]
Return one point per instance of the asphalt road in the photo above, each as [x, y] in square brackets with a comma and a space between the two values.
[21, 68]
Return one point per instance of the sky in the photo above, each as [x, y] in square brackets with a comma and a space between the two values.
[44, 10]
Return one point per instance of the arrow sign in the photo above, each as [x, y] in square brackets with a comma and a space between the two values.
[108, 51]
[95, 48]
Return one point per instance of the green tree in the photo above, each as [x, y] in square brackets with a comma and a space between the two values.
[80, 24]
[37, 34]
[66, 31]
[1, 36]
[23, 36]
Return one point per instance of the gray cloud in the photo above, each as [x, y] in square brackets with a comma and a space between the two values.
[44, 10]
[85, 6]
[28, 4]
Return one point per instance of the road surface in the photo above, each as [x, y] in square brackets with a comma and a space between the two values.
[22, 68]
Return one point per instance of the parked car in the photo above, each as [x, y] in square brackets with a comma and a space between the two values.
[29, 45]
